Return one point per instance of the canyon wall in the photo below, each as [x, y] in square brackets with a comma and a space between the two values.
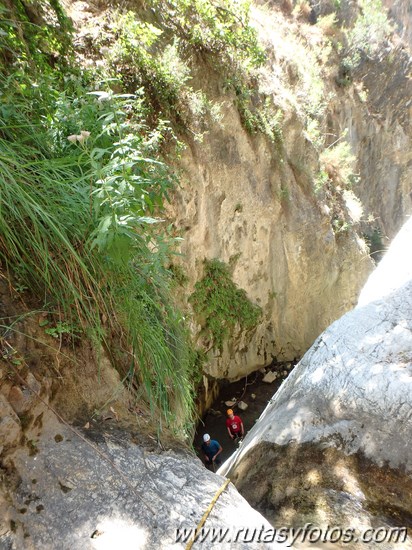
[333, 442]
[298, 252]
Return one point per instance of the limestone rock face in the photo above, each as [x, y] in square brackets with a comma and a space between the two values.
[401, 12]
[251, 203]
[379, 131]
[253, 209]
[103, 490]
[340, 424]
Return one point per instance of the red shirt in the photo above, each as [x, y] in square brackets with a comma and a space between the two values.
[234, 424]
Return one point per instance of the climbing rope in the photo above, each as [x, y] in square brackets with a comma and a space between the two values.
[206, 514]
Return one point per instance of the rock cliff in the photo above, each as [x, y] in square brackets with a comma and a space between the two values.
[298, 253]
[400, 11]
[105, 489]
[284, 251]
[338, 430]
[286, 173]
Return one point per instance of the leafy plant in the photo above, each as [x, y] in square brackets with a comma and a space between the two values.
[214, 28]
[221, 305]
[256, 114]
[371, 28]
[340, 226]
[178, 274]
[26, 43]
[320, 181]
[374, 240]
[62, 328]
[333, 183]
[162, 74]
[338, 162]
[81, 192]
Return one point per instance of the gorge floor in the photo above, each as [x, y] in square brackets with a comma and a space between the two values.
[214, 421]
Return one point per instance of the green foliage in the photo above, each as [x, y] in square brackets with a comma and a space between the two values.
[26, 43]
[374, 240]
[224, 32]
[178, 274]
[214, 28]
[157, 56]
[366, 37]
[320, 181]
[333, 183]
[372, 27]
[81, 194]
[199, 359]
[221, 305]
[337, 163]
[233, 259]
[62, 328]
[340, 226]
[256, 115]
[162, 74]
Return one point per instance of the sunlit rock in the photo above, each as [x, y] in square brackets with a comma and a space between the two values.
[339, 429]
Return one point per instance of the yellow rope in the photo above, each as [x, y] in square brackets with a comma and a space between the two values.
[205, 515]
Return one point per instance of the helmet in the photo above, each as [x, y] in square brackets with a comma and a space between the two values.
[206, 437]
[229, 412]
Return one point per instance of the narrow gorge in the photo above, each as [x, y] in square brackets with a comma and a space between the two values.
[194, 192]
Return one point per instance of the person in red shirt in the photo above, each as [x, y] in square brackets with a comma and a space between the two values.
[234, 426]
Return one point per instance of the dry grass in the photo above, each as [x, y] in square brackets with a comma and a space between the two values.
[338, 162]
[327, 24]
[302, 10]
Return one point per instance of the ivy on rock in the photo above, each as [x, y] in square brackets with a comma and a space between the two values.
[220, 305]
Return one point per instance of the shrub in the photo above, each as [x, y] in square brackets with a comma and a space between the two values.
[372, 27]
[221, 305]
[81, 190]
[338, 163]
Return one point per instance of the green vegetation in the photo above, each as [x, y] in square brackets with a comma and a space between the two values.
[221, 305]
[374, 240]
[84, 180]
[162, 74]
[371, 28]
[337, 163]
[366, 37]
[335, 179]
[213, 28]
[257, 113]
[263, 118]
[81, 191]
[157, 56]
[62, 328]
[178, 274]
[321, 180]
